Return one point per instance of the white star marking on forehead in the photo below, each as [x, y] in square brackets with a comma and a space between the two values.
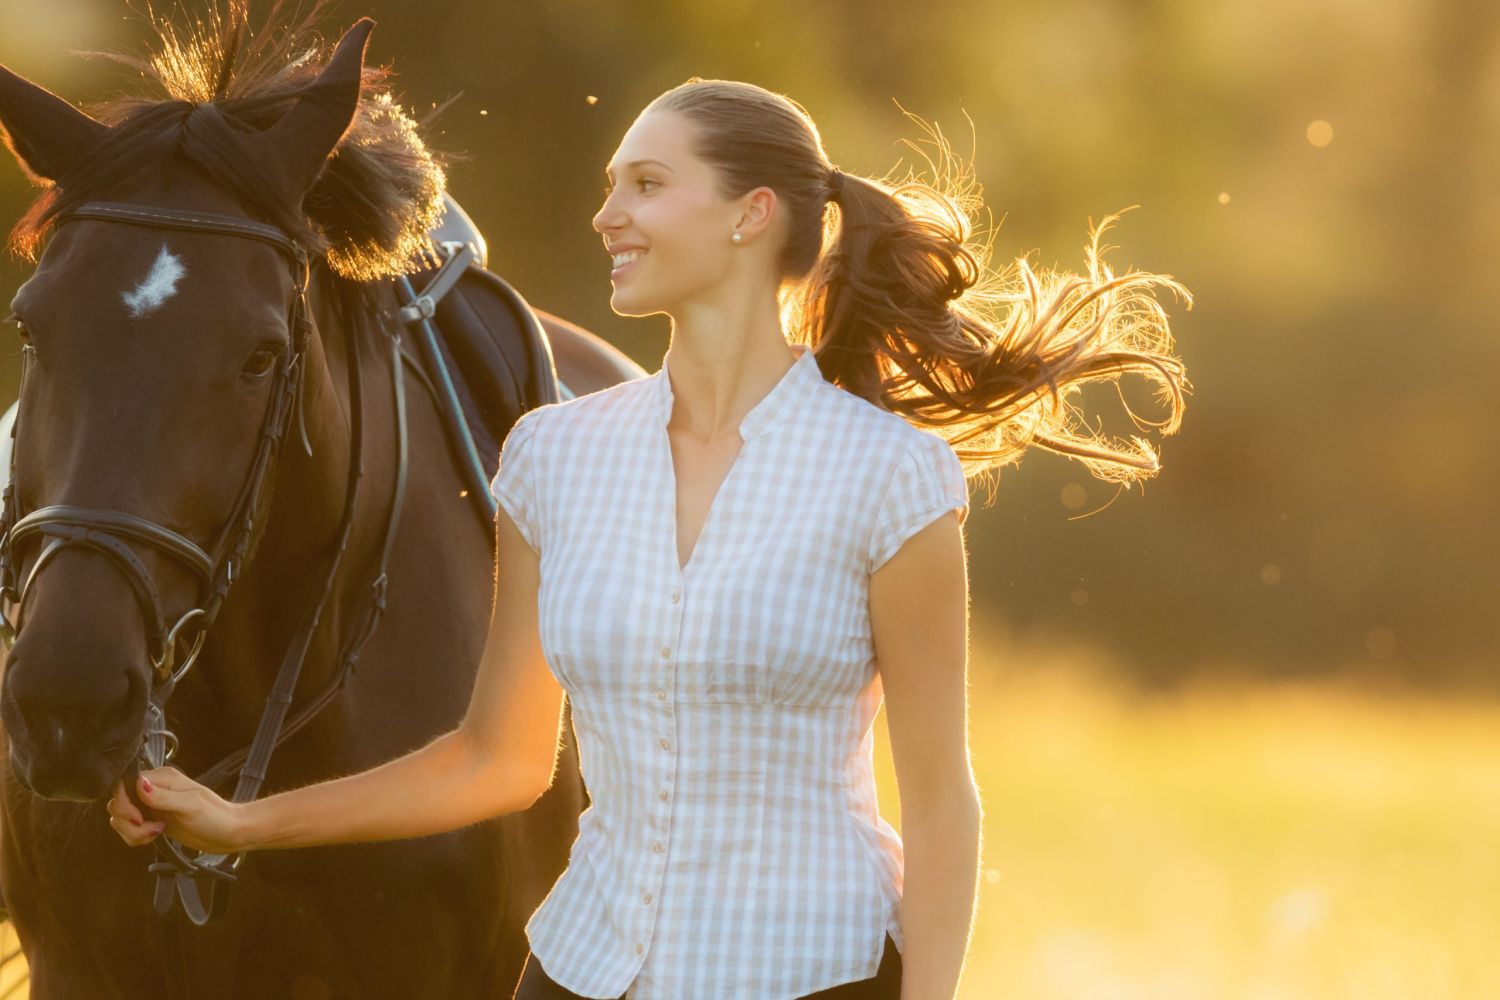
[159, 286]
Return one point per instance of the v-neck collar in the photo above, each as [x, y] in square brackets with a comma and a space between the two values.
[786, 396]
[794, 387]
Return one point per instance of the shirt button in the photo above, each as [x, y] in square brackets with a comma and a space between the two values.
[666, 651]
[655, 847]
[639, 947]
[647, 897]
[662, 795]
[664, 744]
[661, 696]
[675, 596]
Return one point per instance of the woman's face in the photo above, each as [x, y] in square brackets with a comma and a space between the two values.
[662, 206]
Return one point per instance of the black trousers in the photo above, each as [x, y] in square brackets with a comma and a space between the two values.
[884, 985]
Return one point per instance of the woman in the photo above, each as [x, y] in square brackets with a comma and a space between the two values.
[726, 565]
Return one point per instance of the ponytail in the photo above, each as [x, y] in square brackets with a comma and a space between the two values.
[902, 310]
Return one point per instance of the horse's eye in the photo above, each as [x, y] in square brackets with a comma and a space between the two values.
[261, 363]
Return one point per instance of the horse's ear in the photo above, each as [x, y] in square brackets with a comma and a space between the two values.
[46, 133]
[307, 133]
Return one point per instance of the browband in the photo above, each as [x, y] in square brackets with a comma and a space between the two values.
[171, 218]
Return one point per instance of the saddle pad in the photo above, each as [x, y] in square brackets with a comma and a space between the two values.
[497, 355]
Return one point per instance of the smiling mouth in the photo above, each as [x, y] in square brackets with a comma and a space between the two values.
[628, 265]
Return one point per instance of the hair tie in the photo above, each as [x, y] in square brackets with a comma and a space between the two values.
[835, 184]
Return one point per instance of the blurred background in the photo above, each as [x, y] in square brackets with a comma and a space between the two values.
[1237, 732]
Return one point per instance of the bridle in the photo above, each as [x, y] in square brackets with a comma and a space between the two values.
[191, 876]
[63, 526]
[181, 873]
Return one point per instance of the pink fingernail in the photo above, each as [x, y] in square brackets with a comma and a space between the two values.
[145, 784]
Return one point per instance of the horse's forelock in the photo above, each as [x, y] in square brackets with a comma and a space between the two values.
[368, 213]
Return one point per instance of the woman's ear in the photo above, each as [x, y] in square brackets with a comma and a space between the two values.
[758, 210]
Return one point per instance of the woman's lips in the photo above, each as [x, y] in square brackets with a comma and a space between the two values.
[623, 268]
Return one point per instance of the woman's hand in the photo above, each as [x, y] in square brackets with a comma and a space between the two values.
[190, 813]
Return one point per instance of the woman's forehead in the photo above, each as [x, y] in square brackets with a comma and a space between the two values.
[657, 139]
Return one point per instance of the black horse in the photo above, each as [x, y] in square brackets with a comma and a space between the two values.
[154, 352]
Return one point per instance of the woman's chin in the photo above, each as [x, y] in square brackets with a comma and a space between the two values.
[624, 302]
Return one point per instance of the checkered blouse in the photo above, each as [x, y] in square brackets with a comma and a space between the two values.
[732, 848]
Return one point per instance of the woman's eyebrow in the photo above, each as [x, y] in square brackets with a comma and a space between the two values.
[638, 163]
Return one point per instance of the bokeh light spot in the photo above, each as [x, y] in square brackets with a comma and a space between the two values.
[1293, 914]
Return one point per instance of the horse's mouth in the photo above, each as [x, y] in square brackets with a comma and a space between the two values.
[72, 780]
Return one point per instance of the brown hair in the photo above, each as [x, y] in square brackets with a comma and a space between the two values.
[886, 282]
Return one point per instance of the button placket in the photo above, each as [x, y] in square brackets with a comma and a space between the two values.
[666, 741]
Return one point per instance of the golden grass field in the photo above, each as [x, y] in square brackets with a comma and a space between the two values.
[1282, 842]
[1268, 843]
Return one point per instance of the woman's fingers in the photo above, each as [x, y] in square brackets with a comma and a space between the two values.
[134, 835]
[160, 790]
[127, 820]
[165, 788]
[169, 800]
[121, 806]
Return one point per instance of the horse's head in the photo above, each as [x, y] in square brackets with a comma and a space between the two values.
[153, 355]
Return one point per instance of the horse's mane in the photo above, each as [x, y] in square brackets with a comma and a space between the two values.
[369, 211]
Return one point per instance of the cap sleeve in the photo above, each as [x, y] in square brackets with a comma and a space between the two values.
[514, 485]
[926, 481]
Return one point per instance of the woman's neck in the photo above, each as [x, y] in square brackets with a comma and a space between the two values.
[719, 371]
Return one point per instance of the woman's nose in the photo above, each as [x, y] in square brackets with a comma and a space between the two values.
[607, 217]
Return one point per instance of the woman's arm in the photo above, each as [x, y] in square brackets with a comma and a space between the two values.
[919, 621]
[500, 758]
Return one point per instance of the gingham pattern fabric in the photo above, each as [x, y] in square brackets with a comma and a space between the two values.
[732, 849]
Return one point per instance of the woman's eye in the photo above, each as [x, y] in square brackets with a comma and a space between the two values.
[610, 188]
[261, 363]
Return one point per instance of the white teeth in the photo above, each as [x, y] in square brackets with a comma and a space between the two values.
[626, 257]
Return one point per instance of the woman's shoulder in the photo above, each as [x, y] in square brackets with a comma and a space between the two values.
[608, 404]
[904, 450]
[855, 414]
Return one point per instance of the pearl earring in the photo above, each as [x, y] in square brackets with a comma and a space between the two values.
[735, 237]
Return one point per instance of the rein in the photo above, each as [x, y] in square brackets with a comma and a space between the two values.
[181, 873]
